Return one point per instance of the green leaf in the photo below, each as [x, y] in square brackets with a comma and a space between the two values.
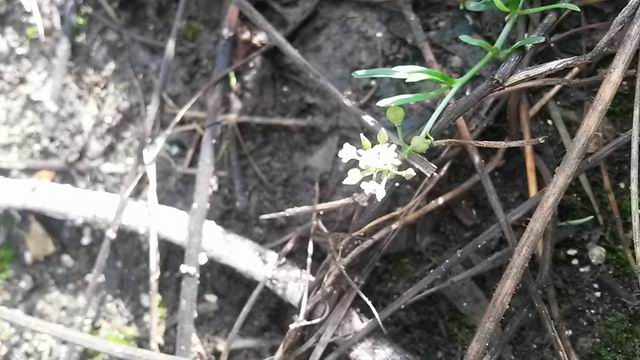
[501, 6]
[478, 42]
[479, 5]
[409, 98]
[535, 10]
[530, 40]
[410, 73]
[431, 75]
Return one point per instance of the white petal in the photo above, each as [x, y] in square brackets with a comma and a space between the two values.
[353, 177]
[348, 152]
[409, 173]
[369, 187]
[380, 193]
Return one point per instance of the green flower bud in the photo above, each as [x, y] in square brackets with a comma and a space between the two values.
[383, 137]
[395, 114]
[419, 144]
[366, 144]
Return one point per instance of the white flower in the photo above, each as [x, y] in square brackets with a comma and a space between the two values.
[377, 162]
[353, 177]
[348, 152]
[372, 187]
[379, 157]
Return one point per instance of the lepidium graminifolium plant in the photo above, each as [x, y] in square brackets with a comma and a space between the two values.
[382, 161]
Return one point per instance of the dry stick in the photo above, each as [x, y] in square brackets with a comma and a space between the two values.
[533, 111]
[76, 337]
[635, 155]
[358, 198]
[491, 144]
[283, 44]
[556, 117]
[253, 119]
[530, 164]
[497, 259]
[505, 226]
[203, 187]
[588, 81]
[476, 244]
[150, 170]
[559, 184]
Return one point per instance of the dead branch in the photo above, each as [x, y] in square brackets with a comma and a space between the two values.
[635, 155]
[204, 185]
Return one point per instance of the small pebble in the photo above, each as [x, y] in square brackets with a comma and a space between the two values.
[597, 254]
[211, 298]
[575, 262]
[585, 269]
[67, 261]
[572, 252]
[596, 286]
[597, 294]
[202, 258]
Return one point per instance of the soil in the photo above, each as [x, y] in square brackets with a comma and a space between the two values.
[96, 125]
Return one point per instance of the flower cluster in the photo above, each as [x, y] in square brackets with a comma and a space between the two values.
[380, 162]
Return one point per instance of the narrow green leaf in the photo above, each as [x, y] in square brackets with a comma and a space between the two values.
[478, 42]
[535, 10]
[410, 73]
[501, 6]
[531, 40]
[409, 98]
[409, 68]
[379, 73]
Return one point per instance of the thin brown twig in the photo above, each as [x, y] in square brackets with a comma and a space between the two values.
[529, 156]
[635, 155]
[491, 144]
[203, 187]
[533, 111]
[587, 81]
[326, 206]
[559, 184]
[565, 137]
